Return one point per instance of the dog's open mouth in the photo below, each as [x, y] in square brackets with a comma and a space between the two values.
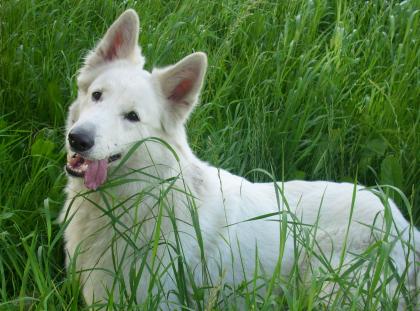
[94, 172]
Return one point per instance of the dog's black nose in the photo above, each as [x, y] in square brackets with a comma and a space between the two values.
[80, 140]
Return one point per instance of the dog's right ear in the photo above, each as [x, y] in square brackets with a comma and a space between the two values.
[119, 42]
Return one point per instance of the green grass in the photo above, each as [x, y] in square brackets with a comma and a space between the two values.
[304, 89]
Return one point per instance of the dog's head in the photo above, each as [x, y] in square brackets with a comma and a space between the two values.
[119, 103]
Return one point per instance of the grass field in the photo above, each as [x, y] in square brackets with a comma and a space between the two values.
[303, 89]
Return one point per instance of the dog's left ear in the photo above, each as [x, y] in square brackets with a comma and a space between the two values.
[180, 85]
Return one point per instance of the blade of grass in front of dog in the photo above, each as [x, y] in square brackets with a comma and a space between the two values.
[353, 202]
[282, 234]
[137, 144]
[156, 234]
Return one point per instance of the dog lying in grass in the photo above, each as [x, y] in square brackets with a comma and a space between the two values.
[149, 223]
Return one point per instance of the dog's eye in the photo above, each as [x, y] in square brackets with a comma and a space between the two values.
[96, 95]
[132, 116]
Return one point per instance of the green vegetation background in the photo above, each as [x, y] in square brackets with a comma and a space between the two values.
[304, 89]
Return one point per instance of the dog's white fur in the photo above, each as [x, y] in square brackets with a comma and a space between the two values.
[163, 100]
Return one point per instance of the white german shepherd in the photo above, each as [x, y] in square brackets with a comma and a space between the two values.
[108, 231]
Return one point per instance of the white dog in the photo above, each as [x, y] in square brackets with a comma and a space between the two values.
[160, 192]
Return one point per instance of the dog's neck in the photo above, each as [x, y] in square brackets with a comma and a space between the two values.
[185, 158]
[155, 161]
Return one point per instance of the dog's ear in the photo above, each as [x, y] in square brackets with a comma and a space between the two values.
[180, 85]
[119, 42]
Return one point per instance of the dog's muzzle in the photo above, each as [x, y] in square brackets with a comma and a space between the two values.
[77, 165]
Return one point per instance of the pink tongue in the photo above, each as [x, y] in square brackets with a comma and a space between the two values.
[95, 174]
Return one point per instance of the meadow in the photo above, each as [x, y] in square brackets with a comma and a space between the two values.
[314, 90]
